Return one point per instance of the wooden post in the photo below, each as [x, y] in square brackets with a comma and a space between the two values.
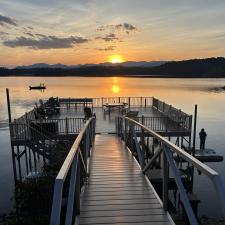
[194, 130]
[145, 103]
[8, 104]
[141, 101]
[129, 102]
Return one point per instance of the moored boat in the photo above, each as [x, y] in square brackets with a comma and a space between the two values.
[38, 87]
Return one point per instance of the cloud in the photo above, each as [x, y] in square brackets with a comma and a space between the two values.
[29, 34]
[108, 37]
[4, 20]
[45, 42]
[109, 48]
[127, 27]
[41, 35]
[3, 33]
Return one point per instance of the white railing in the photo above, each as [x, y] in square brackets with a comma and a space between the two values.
[126, 130]
[163, 123]
[174, 114]
[99, 102]
[72, 176]
[31, 129]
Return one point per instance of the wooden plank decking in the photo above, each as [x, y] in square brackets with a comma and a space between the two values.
[117, 192]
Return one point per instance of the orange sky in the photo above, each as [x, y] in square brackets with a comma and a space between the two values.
[80, 32]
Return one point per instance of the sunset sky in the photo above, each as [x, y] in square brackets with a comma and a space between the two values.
[93, 31]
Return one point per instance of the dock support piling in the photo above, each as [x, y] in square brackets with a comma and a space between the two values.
[14, 164]
[8, 105]
[194, 131]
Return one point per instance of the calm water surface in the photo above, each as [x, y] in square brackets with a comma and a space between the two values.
[182, 93]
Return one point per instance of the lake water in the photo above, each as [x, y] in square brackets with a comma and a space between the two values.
[182, 93]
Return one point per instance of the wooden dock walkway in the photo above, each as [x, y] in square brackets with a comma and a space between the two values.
[117, 191]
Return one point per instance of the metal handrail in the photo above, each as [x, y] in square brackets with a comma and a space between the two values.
[75, 157]
[168, 149]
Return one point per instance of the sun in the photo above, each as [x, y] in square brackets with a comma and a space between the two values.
[116, 59]
[115, 89]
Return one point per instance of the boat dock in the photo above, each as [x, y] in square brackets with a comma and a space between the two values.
[113, 147]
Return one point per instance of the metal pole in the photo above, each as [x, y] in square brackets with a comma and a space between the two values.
[12, 147]
[8, 104]
[194, 131]
[165, 180]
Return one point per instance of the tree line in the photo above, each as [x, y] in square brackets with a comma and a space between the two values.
[209, 67]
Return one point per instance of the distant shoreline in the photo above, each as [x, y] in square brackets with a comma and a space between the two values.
[122, 76]
[194, 68]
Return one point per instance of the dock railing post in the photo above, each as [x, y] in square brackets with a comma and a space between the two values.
[137, 147]
[145, 103]
[190, 130]
[129, 102]
[77, 193]
[66, 126]
[125, 136]
[143, 120]
[119, 127]
[165, 180]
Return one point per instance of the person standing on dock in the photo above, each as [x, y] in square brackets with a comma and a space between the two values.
[202, 136]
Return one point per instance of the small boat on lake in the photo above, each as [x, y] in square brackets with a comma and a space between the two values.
[38, 87]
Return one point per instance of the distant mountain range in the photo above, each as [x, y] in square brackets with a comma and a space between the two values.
[125, 64]
[193, 68]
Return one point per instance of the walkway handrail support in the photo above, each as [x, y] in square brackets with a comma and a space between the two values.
[76, 160]
[168, 149]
